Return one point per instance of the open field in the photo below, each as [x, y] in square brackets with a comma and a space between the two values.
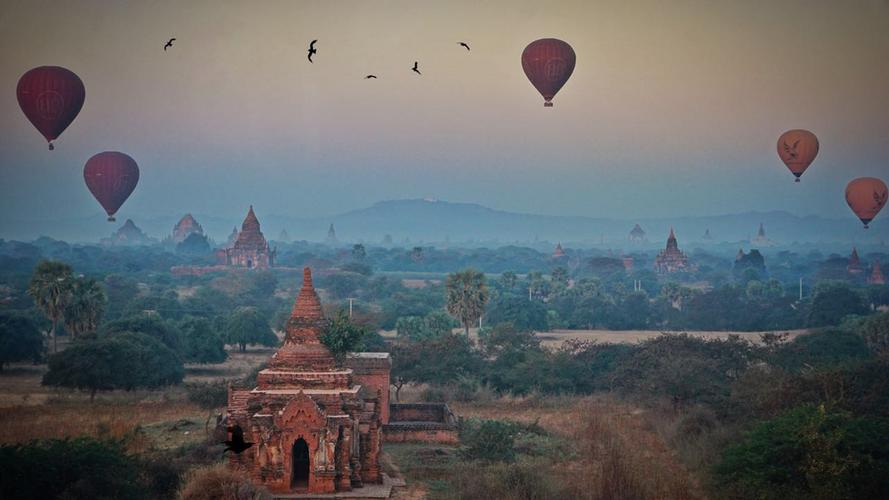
[555, 338]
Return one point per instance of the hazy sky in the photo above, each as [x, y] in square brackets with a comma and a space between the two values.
[673, 109]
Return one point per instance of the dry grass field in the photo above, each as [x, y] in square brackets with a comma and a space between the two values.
[160, 419]
[555, 338]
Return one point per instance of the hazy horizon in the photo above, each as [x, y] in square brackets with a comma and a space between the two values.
[673, 109]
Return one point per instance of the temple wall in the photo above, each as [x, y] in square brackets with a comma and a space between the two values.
[371, 370]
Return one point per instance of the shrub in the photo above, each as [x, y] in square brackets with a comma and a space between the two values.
[490, 440]
[80, 468]
[218, 482]
[19, 339]
[822, 349]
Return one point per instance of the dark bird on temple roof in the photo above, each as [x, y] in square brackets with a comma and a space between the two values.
[463, 44]
[169, 44]
[312, 50]
[370, 76]
[237, 443]
[415, 68]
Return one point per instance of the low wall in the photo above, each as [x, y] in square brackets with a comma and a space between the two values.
[421, 422]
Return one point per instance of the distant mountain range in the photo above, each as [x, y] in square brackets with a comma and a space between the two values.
[428, 221]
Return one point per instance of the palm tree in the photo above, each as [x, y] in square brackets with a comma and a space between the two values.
[84, 308]
[467, 296]
[49, 286]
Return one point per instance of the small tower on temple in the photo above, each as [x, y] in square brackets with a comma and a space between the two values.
[854, 266]
[876, 275]
[637, 235]
[558, 253]
[761, 239]
[185, 227]
[232, 238]
[331, 236]
[671, 259]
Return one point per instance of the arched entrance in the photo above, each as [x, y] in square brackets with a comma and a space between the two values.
[300, 460]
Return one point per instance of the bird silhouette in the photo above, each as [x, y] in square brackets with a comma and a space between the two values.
[415, 70]
[463, 44]
[370, 76]
[169, 44]
[237, 443]
[312, 50]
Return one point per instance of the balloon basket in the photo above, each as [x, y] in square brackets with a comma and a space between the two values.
[51, 147]
[547, 104]
[111, 219]
[797, 179]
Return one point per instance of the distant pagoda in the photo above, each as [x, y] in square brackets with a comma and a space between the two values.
[854, 266]
[128, 234]
[232, 238]
[251, 250]
[637, 235]
[876, 275]
[707, 236]
[185, 227]
[284, 236]
[761, 239]
[671, 259]
[331, 236]
[559, 253]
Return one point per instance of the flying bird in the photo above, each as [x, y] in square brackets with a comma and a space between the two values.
[169, 44]
[312, 50]
[370, 76]
[237, 443]
[415, 68]
[463, 44]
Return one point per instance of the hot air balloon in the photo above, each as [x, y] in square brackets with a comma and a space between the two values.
[548, 63]
[866, 197]
[797, 149]
[51, 97]
[111, 177]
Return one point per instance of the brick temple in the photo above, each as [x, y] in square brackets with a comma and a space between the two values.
[671, 259]
[250, 249]
[316, 424]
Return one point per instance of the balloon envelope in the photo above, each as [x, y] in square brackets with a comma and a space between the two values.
[51, 97]
[548, 63]
[111, 177]
[797, 149]
[866, 197]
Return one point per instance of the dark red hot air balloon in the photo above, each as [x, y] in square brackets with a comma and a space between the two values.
[51, 97]
[111, 177]
[866, 196]
[548, 63]
[797, 149]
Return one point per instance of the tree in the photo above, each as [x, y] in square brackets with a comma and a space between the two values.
[248, 326]
[508, 280]
[467, 296]
[20, 339]
[559, 275]
[358, 252]
[809, 452]
[84, 307]
[150, 324]
[524, 314]
[834, 301]
[875, 331]
[341, 336]
[125, 361]
[435, 324]
[49, 287]
[200, 343]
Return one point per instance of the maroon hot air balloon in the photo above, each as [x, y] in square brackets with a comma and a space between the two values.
[548, 63]
[51, 97]
[111, 177]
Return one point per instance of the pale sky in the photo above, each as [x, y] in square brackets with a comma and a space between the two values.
[674, 108]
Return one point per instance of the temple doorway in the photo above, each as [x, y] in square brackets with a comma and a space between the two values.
[300, 460]
[249, 264]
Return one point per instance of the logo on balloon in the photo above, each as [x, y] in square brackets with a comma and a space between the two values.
[50, 104]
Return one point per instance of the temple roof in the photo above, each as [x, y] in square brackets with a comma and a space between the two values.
[307, 305]
[558, 251]
[250, 236]
[637, 231]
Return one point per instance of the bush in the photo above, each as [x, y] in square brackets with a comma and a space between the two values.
[125, 361]
[218, 482]
[342, 336]
[809, 452]
[822, 349]
[524, 314]
[433, 325]
[209, 395]
[80, 468]
[149, 324]
[490, 440]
